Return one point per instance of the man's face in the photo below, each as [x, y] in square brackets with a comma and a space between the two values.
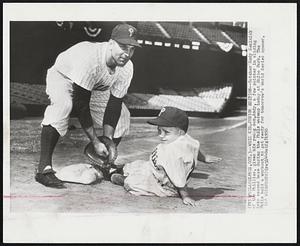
[168, 134]
[121, 53]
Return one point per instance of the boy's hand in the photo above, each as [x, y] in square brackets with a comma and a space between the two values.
[212, 159]
[189, 201]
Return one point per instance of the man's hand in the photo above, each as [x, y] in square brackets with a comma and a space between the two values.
[100, 148]
[189, 201]
[212, 159]
[99, 158]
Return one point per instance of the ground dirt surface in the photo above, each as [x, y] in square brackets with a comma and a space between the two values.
[218, 188]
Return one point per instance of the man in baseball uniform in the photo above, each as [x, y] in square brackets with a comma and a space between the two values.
[91, 78]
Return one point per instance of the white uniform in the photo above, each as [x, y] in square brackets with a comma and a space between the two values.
[84, 64]
[168, 167]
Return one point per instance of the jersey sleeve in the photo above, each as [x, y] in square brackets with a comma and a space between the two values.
[193, 148]
[175, 170]
[122, 83]
[79, 63]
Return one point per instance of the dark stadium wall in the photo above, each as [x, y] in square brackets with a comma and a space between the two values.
[179, 68]
[35, 45]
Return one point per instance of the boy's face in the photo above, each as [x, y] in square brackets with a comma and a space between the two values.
[168, 134]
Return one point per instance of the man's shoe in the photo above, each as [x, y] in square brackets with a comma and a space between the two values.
[50, 180]
[117, 179]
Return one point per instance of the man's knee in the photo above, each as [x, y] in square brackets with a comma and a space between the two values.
[124, 120]
[125, 112]
[122, 128]
[67, 106]
[57, 115]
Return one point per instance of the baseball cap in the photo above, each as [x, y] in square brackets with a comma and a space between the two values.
[171, 117]
[125, 34]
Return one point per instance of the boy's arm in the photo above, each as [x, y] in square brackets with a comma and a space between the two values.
[207, 158]
[187, 200]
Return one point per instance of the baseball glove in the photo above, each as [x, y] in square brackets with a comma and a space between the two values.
[104, 163]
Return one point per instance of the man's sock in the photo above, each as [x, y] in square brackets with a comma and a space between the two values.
[49, 139]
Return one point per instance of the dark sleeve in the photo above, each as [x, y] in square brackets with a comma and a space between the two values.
[112, 111]
[81, 105]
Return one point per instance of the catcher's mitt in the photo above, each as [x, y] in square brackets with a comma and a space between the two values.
[101, 161]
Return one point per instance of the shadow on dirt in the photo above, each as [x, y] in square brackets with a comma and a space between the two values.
[206, 192]
[199, 175]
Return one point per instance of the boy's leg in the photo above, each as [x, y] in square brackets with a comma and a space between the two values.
[107, 173]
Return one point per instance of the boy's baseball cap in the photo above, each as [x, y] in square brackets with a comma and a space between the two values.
[125, 34]
[171, 117]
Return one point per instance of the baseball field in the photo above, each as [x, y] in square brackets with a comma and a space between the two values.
[218, 188]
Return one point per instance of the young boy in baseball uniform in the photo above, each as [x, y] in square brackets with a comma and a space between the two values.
[168, 169]
[91, 78]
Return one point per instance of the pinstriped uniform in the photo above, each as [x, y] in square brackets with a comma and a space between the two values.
[97, 105]
[85, 65]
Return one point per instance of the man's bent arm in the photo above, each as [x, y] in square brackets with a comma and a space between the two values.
[81, 107]
[111, 115]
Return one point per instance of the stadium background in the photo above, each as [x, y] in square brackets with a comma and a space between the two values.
[191, 62]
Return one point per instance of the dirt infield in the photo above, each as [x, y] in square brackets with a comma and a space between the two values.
[221, 188]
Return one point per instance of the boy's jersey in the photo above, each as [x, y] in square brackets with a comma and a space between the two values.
[175, 161]
[85, 64]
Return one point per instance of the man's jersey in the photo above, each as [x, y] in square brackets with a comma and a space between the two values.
[85, 64]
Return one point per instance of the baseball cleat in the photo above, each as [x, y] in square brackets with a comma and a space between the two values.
[49, 180]
[117, 179]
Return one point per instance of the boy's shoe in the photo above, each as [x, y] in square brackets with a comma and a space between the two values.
[117, 179]
[116, 169]
[50, 180]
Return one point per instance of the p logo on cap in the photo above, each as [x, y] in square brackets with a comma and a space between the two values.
[131, 31]
[171, 117]
[125, 34]
[161, 111]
